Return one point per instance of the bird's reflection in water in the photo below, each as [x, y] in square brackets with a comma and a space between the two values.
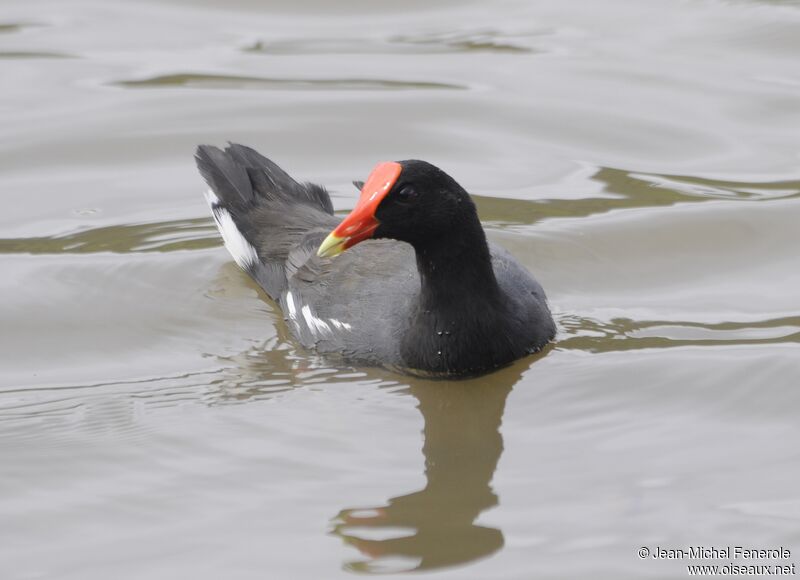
[435, 526]
[430, 528]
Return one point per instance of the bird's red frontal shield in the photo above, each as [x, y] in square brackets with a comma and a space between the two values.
[361, 223]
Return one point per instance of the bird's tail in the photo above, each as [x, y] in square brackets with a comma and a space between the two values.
[260, 210]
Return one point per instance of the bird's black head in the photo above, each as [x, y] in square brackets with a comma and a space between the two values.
[411, 201]
[424, 204]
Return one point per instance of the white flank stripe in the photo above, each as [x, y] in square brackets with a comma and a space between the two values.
[315, 325]
[290, 306]
[340, 325]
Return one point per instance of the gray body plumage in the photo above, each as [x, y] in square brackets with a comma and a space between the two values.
[363, 304]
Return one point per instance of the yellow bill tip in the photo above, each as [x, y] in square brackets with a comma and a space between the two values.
[331, 246]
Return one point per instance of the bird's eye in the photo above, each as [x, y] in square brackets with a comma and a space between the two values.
[406, 193]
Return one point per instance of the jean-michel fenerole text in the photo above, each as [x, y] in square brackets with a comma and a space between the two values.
[721, 553]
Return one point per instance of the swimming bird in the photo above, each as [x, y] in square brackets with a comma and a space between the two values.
[406, 281]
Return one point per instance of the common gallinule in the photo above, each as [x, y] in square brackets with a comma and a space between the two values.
[445, 302]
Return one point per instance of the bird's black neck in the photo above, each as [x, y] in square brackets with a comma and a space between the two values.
[456, 271]
[458, 325]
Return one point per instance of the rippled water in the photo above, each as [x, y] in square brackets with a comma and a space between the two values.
[158, 421]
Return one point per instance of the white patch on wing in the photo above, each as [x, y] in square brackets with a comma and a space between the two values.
[242, 251]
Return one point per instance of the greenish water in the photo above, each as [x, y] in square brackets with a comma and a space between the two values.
[157, 420]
